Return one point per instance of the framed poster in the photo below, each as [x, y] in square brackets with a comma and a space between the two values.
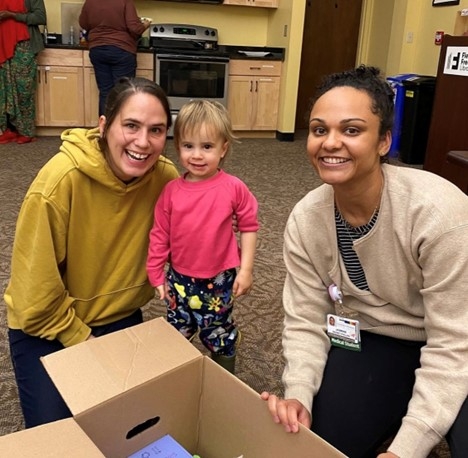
[445, 2]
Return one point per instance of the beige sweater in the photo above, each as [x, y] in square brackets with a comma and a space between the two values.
[416, 264]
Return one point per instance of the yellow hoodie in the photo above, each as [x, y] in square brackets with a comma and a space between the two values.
[81, 243]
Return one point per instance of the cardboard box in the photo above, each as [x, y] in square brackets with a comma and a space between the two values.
[129, 388]
[62, 438]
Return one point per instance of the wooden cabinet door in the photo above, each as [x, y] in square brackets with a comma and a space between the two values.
[91, 98]
[266, 91]
[40, 109]
[240, 98]
[60, 97]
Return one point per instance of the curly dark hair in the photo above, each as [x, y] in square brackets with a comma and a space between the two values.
[369, 80]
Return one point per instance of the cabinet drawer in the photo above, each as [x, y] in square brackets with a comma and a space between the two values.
[61, 57]
[255, 67]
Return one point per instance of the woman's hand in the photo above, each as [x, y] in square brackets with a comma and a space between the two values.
[288, 412]
[387, 455]
[4, 15]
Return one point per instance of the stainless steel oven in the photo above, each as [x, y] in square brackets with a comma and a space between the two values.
[187, 77]
[188, 63]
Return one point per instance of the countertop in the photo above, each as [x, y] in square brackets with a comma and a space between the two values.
[230, 50]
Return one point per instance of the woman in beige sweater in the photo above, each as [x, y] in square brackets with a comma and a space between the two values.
[375, 333]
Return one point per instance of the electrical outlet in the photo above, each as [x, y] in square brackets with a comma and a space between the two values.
[285, 30]
[409, 37]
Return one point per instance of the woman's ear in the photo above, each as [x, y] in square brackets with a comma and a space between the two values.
[385, 143]
[102, 125]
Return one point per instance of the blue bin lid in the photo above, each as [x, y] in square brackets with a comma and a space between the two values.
[401, 77]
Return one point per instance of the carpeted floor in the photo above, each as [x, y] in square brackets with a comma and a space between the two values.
[279, 175]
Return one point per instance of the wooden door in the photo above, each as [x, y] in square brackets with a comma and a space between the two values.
[330, 41]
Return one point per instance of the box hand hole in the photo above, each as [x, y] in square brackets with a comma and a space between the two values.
[142, 427]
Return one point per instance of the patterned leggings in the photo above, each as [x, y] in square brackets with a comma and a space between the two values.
[18, 77]
[204, 304]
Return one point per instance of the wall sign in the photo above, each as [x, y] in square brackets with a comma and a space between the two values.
[456, 61]
[445, 2]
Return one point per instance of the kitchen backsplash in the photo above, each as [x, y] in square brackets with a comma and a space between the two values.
[70, 12]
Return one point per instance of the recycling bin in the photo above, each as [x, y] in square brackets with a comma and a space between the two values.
[396, 83]
[417, 112]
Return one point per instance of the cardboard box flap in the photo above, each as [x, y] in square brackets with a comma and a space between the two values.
[247, 428]
[99, 369]
[52, 440]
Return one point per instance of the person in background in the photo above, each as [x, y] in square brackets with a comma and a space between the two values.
[193, 231]
[383, 250]
[78, 262]
[113, 29]
[20, 42]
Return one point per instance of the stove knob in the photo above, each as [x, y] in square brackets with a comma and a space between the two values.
[161, 29]
[207, 32]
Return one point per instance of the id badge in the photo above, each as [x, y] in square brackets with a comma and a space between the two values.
[344, 332]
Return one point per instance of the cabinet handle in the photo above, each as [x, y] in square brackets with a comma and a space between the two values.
[251, 86]
[255, 68]
[256, 86]
[38, 76]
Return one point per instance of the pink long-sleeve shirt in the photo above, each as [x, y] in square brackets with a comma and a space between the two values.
[193, 226]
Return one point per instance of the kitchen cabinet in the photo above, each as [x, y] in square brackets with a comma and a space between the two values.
[253, 97]
[258, 3]
[59, 95]
[67, 94]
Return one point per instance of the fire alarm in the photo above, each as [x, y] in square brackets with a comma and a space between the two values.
[439, 35]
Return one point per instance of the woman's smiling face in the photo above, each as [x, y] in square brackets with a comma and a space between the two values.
[137, 136]
[344, 142]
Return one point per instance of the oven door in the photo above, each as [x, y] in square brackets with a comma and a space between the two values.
[188, 77]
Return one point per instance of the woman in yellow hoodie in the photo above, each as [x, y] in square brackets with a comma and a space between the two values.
[78, 263]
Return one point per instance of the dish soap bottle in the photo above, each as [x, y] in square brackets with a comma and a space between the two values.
[72, 36]
[83, 38]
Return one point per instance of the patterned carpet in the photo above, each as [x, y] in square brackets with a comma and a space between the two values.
[278, 173]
